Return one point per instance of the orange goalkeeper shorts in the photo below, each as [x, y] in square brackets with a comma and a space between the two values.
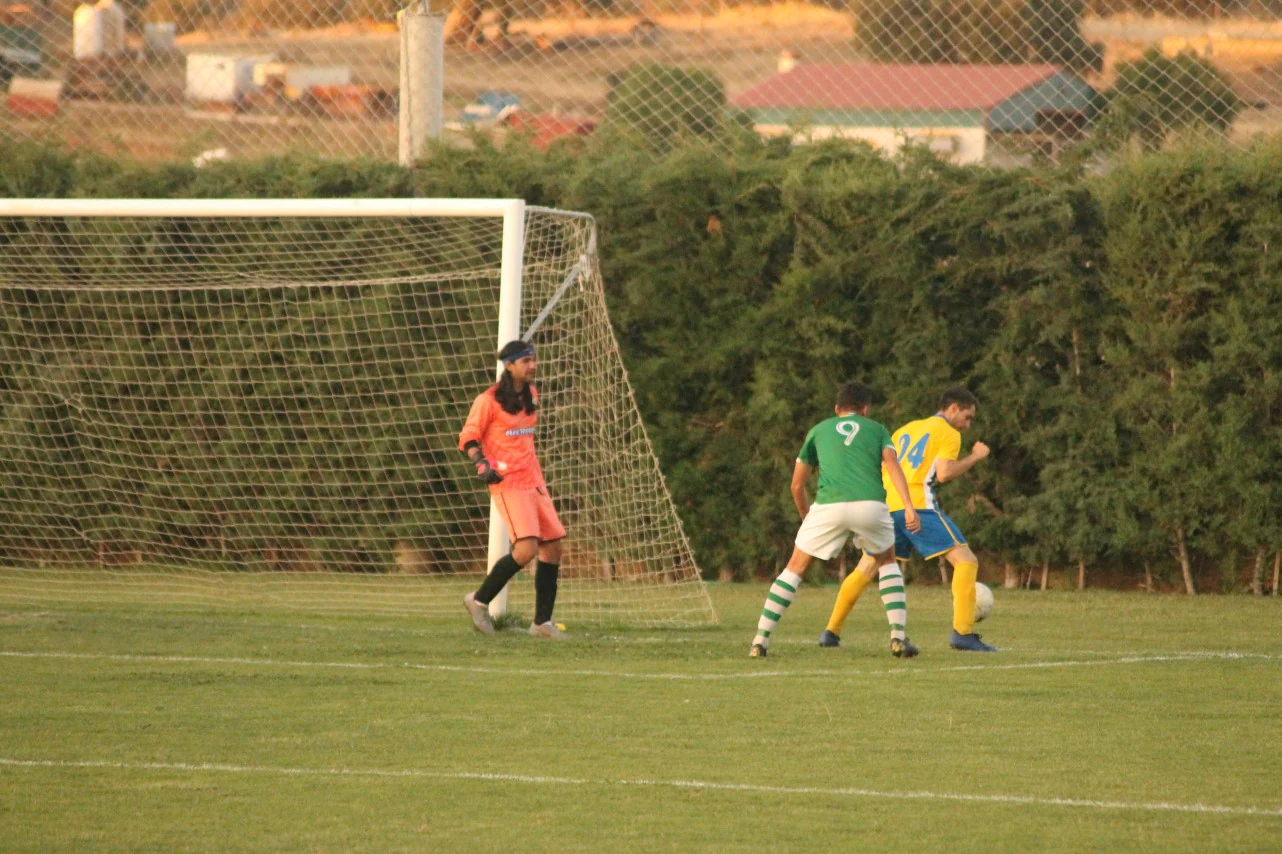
[528, 513]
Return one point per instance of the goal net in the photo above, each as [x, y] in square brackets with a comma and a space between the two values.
[257, 403]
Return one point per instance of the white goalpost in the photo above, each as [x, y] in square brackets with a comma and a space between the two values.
[256, 402]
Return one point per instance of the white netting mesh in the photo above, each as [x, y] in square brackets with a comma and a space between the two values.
[235, 411]
[178, 78]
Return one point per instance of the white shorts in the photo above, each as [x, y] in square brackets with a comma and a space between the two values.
[827, 527]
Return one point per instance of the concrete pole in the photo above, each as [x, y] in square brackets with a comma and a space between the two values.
[422, 92]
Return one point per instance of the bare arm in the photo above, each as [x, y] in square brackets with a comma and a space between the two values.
[946, 470]
[900, 483]
[800, 475]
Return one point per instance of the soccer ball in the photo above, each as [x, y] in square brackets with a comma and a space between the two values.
[983, 601]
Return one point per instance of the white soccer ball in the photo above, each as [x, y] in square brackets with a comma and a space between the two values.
[983, 601]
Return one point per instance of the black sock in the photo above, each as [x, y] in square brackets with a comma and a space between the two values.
[504, 568]
[545, 591]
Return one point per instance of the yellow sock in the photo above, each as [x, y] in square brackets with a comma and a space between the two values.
[847, 596]
[964, 575]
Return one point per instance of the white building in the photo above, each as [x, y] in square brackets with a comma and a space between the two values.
[951, 109]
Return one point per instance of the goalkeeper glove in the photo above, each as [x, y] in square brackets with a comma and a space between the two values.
[486, 472]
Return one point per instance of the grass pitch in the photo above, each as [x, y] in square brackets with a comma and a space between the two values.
[1109, 721]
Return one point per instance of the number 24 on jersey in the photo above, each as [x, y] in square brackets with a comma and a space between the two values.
[916, 453]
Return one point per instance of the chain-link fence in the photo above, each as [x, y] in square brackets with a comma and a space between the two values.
[973, 80]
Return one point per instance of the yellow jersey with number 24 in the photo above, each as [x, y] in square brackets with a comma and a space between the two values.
[919, 446]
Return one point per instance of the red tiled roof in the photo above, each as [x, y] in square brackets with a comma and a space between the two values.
[545, 129]
[872, 86]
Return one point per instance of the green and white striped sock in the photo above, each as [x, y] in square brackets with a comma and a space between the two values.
[891, 583]
[777, 601]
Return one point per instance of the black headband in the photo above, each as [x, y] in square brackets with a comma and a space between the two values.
[520, 354]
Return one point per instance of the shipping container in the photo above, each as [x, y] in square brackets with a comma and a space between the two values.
[221, 78]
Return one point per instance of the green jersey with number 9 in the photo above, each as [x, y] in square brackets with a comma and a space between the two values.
[847, 451]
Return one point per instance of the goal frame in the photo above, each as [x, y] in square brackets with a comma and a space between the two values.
[511, 211]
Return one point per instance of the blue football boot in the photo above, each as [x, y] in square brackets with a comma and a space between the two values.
[829, 639]
[969, 643]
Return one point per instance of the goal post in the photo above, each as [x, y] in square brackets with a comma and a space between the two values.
[509, 329]
[256, 402]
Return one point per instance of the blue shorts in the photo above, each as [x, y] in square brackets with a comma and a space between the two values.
[938, 535]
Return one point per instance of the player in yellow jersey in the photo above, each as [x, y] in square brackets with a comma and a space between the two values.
[929, 452]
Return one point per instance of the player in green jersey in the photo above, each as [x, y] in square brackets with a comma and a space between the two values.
[849, 450]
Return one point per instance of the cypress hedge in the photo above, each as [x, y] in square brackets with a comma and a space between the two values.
[1122, 329]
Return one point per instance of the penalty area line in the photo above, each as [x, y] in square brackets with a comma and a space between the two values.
[905, 671]
[704, 785]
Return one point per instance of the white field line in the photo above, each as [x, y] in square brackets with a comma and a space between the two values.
[906, 670]
[1204, 653]
[706, 785]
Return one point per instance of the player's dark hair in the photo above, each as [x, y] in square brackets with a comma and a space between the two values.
[853, 395]
[509, 398]
[511, 348]
[958, 395]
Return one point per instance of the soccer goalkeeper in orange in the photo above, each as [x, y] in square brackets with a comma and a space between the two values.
[498, 438]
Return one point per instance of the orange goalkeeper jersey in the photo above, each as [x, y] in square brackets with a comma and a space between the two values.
[507, 440]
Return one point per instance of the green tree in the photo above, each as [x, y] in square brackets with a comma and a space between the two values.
[1157, 96]
[692, 247]
[1041, 371]
[662, 104]
[1053, 32]
[1169, 227]
[1247, 363]
[974, 31]
[902, 30]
